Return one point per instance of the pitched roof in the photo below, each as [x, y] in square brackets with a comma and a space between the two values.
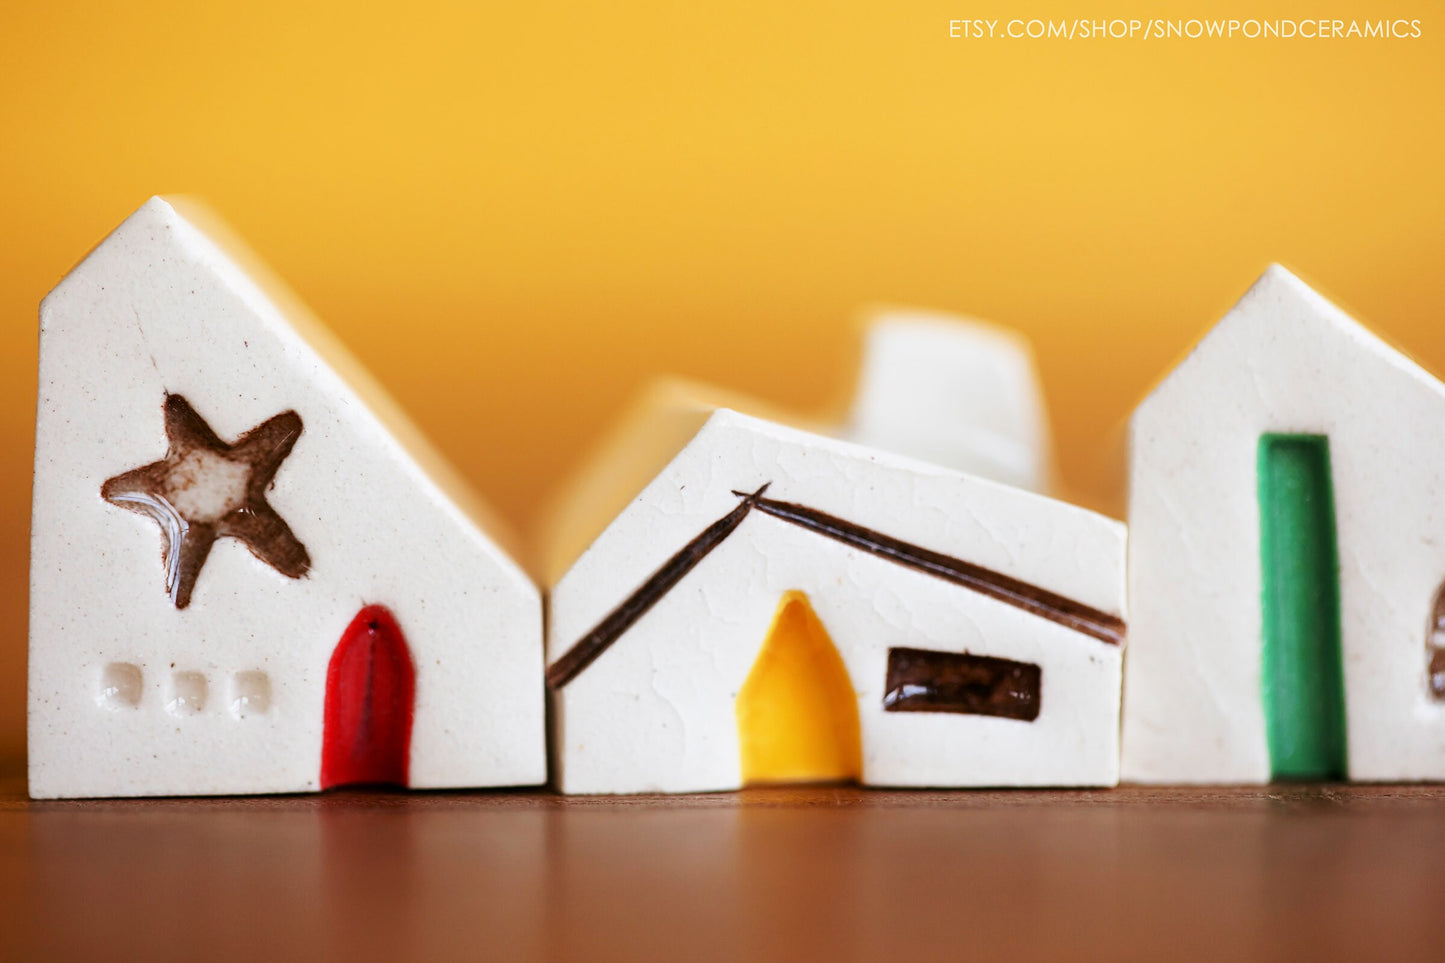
[183, 227]
[1275, 290]
[1031, 598]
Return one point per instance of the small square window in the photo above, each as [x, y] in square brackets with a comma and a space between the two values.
[120, 686]
[250, 694]
[188, 694]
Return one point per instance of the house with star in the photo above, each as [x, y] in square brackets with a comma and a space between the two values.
[781, 606]
[249, 572]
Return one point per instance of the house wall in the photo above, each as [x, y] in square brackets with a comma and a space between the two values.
[155, 308]
[1284, 360]
[655, 712]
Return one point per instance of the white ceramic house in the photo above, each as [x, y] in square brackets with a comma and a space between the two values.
[777, 606]
[248, 573]
[951, 390]
[1286, 555]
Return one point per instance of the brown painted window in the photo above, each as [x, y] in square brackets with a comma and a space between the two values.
[922, 680]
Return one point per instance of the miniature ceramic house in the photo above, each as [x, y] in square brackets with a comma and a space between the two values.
[323, 607]
[1285, 555]
[780, 606]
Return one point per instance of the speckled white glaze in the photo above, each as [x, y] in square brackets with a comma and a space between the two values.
[1282, 360]
[655, 712]
[129, 695]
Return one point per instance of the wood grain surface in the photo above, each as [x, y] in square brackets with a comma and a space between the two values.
[1296, 872]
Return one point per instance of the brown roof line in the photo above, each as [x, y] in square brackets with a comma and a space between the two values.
[1032, 599]
[620, 619]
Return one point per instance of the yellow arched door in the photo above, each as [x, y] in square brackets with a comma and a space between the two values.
[797, 711]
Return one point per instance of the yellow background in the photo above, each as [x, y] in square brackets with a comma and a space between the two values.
[515, 214]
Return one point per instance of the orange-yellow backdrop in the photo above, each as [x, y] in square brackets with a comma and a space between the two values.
[516, 213]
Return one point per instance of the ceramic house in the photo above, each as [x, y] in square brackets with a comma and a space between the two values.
[1286, 555]
[781, 606]
[952, 390]
[248, 573]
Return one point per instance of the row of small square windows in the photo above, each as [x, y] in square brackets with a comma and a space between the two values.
[122, 686]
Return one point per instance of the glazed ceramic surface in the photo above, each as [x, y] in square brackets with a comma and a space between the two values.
[654, 630]
[1284, 363]
[160, 667]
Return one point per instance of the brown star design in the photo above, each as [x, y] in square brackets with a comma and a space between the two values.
[205, 489]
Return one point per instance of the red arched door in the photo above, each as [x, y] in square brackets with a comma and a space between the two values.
[370, 686]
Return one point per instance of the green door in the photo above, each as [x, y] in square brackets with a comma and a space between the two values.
[1304, 689]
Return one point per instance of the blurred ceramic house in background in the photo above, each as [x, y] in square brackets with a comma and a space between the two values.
[325, 606]
[1286, 555]
[953, 391]
[781, 606]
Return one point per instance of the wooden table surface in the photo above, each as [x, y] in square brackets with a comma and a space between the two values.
[810, 873]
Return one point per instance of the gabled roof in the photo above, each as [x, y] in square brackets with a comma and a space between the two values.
[1037, 600]
[183, 228]
[1278, 290]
